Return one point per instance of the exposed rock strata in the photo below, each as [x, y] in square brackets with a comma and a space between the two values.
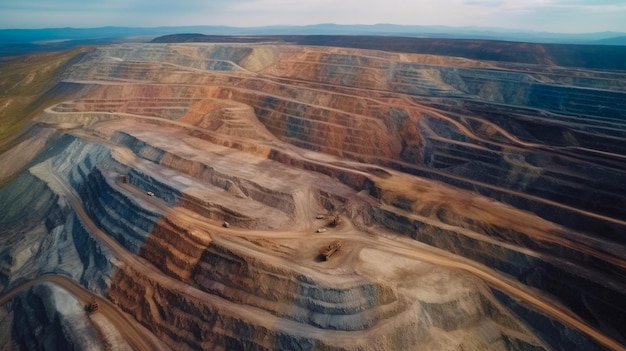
[435, 165]
[48, 318]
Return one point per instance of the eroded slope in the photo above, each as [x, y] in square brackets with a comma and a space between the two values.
[182, 182]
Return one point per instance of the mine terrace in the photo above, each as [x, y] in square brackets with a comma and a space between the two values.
[309, 196]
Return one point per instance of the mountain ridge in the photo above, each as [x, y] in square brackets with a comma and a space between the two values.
[9, 35]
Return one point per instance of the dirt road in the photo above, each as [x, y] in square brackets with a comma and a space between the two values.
[127, 327]
[414, 250]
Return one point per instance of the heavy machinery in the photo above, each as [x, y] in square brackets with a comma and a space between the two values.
[92, 306]
[330, 249]
[335, 220]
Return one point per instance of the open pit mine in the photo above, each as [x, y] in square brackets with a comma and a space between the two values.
[273, 196]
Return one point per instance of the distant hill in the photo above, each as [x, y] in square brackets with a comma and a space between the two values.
[16, 49]
[612, 41]
[202, 38]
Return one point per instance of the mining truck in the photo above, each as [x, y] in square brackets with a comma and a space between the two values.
[330, 250]
[92, 307]
[335, 220]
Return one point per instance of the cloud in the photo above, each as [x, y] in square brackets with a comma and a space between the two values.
[489, 3]
[540, 5]
[82, 13]
[552, 15]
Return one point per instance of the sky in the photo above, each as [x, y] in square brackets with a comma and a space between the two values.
[562, 16]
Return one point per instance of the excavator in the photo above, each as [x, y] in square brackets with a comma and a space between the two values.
[92, 306]
[330, 250]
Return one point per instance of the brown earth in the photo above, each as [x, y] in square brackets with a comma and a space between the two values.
[481, 202]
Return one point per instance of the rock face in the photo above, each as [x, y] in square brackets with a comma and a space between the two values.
[482, 203]
[49, 318]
